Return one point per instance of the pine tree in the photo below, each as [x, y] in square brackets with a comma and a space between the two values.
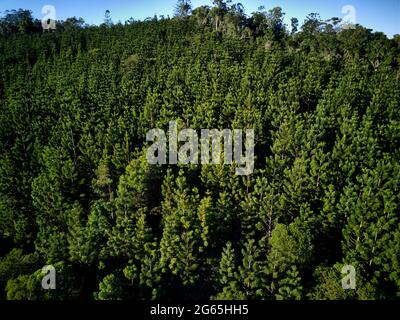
[110, 288]
[250, 272]
[181, 243]
[289, 288]
[227, 276]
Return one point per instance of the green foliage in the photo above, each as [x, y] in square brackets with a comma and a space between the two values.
[290, 287]
[182, 8]
[29, 286]
[290, 245]
[227, 276]
[77, 192]
[110, 288]
[15, 263]
[329, 286]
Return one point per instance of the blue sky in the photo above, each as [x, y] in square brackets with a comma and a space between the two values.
[383, 15]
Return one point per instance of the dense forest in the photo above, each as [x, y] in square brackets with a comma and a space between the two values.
[76, 191]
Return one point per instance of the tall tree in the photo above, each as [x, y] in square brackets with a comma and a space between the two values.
[183, 8]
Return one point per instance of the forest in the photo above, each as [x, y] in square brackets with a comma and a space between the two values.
[77, 193]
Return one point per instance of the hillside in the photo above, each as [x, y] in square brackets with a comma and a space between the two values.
[77, 192]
